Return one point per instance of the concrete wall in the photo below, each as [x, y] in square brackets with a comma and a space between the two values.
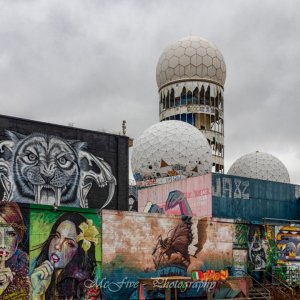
[140, 245]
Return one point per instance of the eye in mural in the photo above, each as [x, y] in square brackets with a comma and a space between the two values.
[45, 169]
[66, 264]
[14, 261]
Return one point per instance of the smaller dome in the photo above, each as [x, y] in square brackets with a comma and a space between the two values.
[170, 148]
[259, 165]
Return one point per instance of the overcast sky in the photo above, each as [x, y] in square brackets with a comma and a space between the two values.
[93, 63]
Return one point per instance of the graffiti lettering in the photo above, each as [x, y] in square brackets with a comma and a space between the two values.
[202, 192]
[227, 188]
[297, 191]
[157, 181]
[210, 275]
[224, 188]
[240, 189]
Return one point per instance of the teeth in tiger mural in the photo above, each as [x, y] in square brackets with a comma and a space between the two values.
[44, 169]
[47, 194]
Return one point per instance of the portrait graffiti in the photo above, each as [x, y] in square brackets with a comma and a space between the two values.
[257, 248]
[45, 169]
[14, 261]
[66, 262]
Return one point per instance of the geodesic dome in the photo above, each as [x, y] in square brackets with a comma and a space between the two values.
[170, 148]
[191, 58]
[259, 165]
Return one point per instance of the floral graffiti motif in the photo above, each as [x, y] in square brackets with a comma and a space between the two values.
[89, 234]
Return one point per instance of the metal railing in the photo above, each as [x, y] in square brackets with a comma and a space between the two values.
[260, 285]
[291, 274]
[276, 281]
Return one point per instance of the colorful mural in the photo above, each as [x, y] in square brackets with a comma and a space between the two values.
[257, 247]
[14, 259]
[65, 257]
[151, 245]
[133, 198]
[188, 197]
[44, 169]
[288, 243]
[49, 254]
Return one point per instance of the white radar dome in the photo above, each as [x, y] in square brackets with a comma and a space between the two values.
[170, 148]
[191, 58]
[259, 165]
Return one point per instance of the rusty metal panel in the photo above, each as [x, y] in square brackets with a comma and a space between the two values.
[252, 199]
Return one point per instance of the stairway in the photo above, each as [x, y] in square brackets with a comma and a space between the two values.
[259, 293]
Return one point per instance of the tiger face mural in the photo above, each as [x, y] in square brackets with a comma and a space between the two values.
[45, 169]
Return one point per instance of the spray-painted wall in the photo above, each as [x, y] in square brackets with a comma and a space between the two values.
[189, 197]
[253, 200]
[139, 245]
[46, 253]
[56, 165]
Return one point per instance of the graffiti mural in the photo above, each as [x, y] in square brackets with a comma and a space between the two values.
[132, 199]
[14, 260]
[257, 247]
[45, 169]
[187, 197]
[65, 258]
[288, 243]
[148, 245]
[171, 253]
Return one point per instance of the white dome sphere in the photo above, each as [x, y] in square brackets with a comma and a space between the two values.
[170, 148]
[191, 58]
[259, 165]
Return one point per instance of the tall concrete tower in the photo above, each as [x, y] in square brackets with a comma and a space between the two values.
[190, 75]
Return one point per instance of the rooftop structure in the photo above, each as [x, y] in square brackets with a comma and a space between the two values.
[190, 76]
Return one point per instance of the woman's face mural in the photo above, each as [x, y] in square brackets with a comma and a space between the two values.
[63, 245]
[8, 240]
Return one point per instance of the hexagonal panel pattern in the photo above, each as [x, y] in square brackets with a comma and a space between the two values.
[259, 165]
[170, 148]
[188, 51]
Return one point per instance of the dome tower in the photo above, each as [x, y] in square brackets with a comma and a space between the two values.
[190, 75]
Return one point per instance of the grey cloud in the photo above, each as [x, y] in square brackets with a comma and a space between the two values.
[93, 63]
